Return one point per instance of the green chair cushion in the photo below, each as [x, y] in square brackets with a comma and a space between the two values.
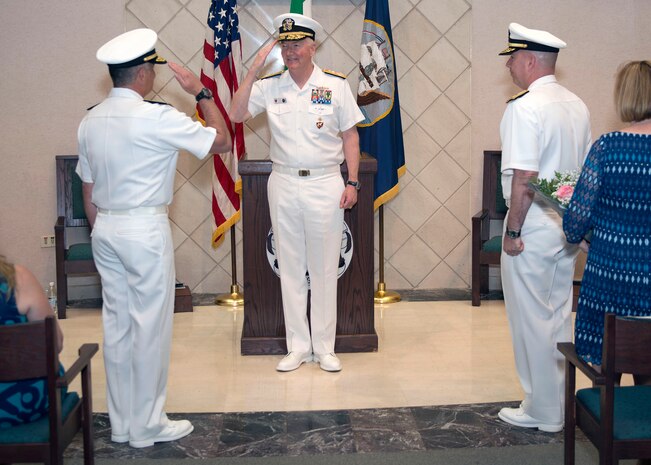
[38, 431]
[80, 252]
[632, 407]
[494, 244]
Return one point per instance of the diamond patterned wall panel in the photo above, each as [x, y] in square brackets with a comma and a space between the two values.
[442, 177]
[426, 226]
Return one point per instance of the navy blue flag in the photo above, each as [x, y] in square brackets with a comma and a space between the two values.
[380, 134]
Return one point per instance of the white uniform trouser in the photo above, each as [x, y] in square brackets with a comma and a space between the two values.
[537, 288]
[135, 259]
[307, 224]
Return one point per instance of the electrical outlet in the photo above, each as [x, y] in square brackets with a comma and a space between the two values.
[47, 241]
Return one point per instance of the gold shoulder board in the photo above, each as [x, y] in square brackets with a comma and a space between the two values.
[272, 75]
[517, 96]
[334, 73]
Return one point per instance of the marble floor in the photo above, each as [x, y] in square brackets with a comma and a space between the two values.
[442, 371]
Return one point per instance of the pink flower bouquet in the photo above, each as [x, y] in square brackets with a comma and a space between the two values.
[558, 191]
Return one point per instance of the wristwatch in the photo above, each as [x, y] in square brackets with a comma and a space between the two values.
[205, 93]
[355, 184]
[512, 233]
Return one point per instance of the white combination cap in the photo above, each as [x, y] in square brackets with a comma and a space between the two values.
[523, 38]
[132, 48]
[292, 26]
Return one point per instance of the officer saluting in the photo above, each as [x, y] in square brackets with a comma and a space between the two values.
[312, 115]
[128, 149]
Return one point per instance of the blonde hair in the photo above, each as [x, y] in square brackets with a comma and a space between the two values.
[633, 91]
[9, 272]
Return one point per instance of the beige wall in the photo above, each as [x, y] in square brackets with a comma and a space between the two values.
[44, 91]
[49, 78]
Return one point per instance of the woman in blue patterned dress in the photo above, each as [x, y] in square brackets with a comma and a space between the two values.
[22, 299]
[613, 199]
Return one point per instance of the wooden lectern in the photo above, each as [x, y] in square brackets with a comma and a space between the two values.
[264, 325]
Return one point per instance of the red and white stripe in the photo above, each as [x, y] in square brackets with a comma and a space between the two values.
[223, 81]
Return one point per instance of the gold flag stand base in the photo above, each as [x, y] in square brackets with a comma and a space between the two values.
[234, 299]
[382, 296]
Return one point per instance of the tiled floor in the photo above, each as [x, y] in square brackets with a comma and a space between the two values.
[329, 432]
[442, 371]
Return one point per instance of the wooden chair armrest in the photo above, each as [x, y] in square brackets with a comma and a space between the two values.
[480, 228]
[480, 216]
[569, 351]
[86, 352]
[60, 232]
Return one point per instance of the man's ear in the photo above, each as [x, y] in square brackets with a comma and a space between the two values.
[140, 74]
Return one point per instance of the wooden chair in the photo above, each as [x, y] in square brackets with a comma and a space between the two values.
[29, 351]
[487, 247]
[616, 419]
[70, 258]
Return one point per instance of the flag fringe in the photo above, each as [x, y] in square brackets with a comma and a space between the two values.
[219, 233]
[391, 193]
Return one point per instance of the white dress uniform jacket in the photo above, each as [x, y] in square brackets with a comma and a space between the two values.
[305, 123]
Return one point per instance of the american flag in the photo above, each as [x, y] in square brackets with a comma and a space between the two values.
[222, 67]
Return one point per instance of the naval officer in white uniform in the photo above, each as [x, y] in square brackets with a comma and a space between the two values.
[128, 148]
[545, 128]
[312, 115]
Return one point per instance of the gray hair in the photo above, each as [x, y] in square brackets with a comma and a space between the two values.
[546, 59]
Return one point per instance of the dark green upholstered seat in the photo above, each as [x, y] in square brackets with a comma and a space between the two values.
[494, 244]
[632, 410]
[80, 252]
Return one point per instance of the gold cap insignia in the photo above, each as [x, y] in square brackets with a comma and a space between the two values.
[288, 24]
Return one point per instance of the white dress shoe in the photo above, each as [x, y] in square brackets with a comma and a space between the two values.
[328, 362]
[293, 360]
[517, 417]
[173, 431]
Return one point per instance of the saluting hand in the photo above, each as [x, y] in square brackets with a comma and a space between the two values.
[189, 82]
[261, 56]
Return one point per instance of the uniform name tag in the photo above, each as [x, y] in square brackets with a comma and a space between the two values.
[280, 100]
